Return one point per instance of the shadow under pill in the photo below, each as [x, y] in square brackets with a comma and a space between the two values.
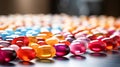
[61, 58]
[78, 57]
[7, 64]
[26, 63]
[44, 60]
[98, 54]
[112, 52]
[17, 60]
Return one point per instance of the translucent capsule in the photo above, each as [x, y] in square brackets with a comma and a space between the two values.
[41, 36]
[78, 48]
[32, 39]
[7, 55]
[49, 34]
[21, 41]
[64, 42]
[15, 47]
[52, 41]
[110, 43]
[45, 51]
[34, 46]
[61, 49]
[41, 43]
[97, 46]
[26, 53]
[5, 43]
[59, 36]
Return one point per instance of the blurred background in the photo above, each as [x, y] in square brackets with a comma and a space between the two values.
[71, 7]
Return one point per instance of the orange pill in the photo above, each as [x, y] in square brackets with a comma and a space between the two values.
[34, 46]
[49, 34]
[52, 41]
[45, 51]
[64, 42]
[59, 36]
[41, 36]
[32, 39]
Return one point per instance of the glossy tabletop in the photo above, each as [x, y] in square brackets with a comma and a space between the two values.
[106, 59]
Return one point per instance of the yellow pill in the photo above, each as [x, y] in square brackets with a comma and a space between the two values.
[52, 41]
[41, 36]
[34, 46]
[45, 51]
[59, 37]
[32, 39]
[49, 34]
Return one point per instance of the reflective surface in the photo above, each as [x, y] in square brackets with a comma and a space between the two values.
[90, 59]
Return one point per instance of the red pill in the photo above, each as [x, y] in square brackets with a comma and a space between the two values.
[110, 43]
[21, 41]
[26, 53]
[41, 43]
[96, 46]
